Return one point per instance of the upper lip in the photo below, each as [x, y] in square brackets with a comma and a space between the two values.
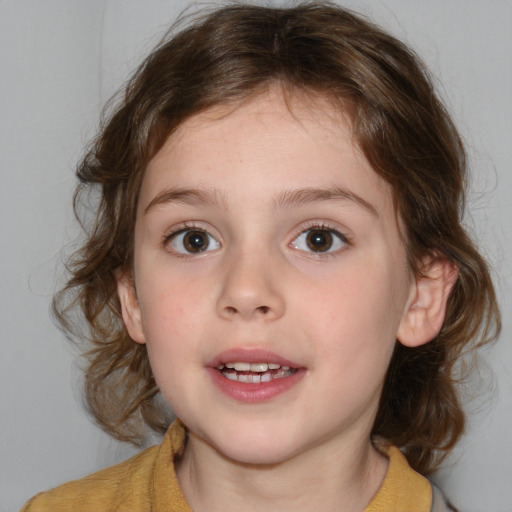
[251, 355]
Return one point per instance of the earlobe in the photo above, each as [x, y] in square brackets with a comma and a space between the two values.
[425, 312]
[130, 308]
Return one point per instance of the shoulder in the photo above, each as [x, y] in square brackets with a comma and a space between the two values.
[402, 489]
[147, 481]
[105, 490]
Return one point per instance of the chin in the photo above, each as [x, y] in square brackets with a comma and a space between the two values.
[255, 450]
[265, 439]
[256, 457]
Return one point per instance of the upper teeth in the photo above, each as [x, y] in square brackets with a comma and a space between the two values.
[252, 367]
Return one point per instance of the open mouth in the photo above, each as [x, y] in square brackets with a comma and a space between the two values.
[254, 373]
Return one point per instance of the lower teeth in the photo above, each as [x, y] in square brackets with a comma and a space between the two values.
[256, 378]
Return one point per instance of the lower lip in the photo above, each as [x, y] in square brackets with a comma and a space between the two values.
[254, 392]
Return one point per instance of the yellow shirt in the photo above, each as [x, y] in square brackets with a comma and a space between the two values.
[147, 482]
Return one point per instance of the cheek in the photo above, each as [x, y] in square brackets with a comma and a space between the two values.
[170, 299]
[354, 332]
[355, 314]
[171, 340]
[173, 324]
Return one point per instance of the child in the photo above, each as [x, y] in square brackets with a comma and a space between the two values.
[278, 253]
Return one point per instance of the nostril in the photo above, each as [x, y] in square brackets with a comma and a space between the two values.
[248, 309]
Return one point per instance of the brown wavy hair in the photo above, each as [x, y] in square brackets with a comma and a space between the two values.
[225, 57]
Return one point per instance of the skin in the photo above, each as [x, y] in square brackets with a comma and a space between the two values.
[336, 313]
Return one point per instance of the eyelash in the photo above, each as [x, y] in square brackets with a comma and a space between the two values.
[342, 240]
[182, 230]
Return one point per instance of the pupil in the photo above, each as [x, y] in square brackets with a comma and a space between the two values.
[195, 241]
[319, 241]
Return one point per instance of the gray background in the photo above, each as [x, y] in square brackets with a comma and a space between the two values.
[60, 60]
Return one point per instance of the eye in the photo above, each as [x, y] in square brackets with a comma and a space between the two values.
[192, 241]
[319, 240]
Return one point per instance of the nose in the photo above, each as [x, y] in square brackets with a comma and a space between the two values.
[251, 290]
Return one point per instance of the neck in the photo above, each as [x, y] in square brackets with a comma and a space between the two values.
[331, 477]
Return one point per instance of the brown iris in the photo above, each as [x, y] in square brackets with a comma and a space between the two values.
[319, 240]
[195, 241]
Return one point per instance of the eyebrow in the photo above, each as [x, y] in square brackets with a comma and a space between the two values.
[190, 196]
[287, 199]
[302, 196]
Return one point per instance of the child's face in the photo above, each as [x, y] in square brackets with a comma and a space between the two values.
[264, 236]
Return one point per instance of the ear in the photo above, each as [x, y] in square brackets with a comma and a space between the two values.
[130, 308]
[425, 312]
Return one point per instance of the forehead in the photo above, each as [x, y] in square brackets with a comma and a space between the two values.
[270, 142]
